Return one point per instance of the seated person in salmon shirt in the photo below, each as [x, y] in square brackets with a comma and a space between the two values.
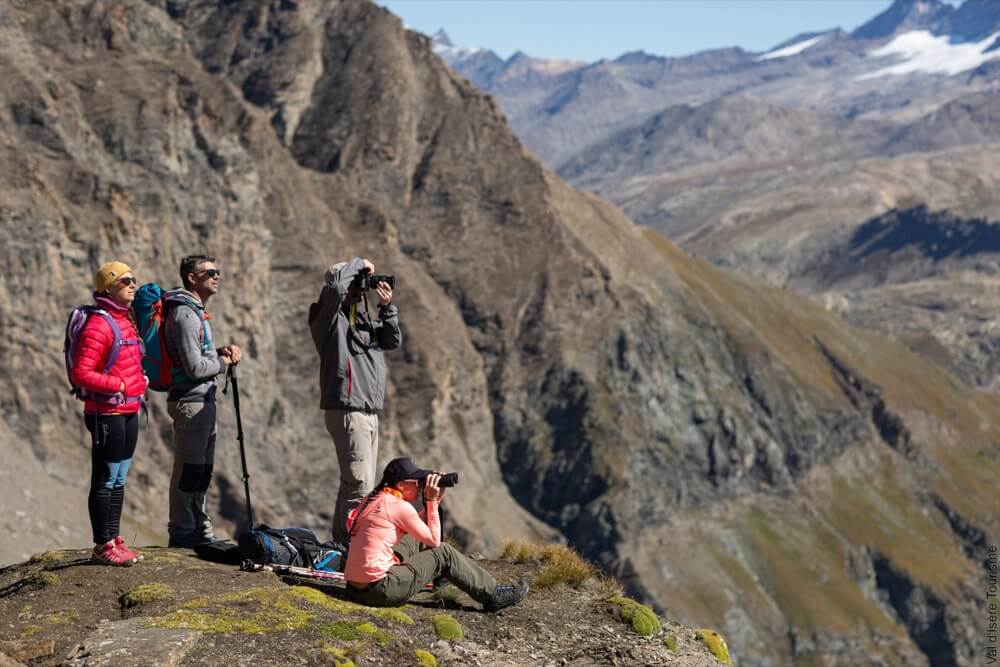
[394, 553]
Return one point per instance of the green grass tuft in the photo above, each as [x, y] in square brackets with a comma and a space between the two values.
[448, 594]
[716, 644]
[223, 621]
[258, 610]
[45, 579]
[341, 658]
[30, 631]
[447, 628]
[638, 616]
[519, 551]
[609, 587]
[320, 599]
[63, 617]
[425, 658]
[671, 642]
[560, 564]
[162, 559]
[144, 593]
[381, 636]
[47, 558]
[344, 631]
[352, 632]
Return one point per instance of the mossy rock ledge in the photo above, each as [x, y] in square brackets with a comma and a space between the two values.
[166, 610]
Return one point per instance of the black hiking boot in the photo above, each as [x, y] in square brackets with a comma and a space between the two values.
[505, 595]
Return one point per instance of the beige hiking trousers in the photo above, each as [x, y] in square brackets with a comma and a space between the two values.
[355, 435]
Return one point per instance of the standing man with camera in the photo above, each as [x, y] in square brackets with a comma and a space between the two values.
[352, 374]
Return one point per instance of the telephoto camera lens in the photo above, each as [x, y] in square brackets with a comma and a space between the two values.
[447, 480]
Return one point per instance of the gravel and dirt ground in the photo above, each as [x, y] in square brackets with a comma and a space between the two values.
[174, 609]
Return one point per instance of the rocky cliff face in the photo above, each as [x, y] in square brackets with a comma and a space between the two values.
[734, 452]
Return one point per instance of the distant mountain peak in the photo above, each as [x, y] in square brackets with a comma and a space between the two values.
[905, 15]
[638, 57]
[451, 54]
[442, 38]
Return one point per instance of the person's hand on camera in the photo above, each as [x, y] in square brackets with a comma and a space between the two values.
[384, 292]
[369, 267]
[432, 492]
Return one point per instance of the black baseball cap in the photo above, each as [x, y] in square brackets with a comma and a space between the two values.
[403, 468]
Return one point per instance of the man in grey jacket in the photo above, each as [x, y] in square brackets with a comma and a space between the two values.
[191, 399]
[352, 377]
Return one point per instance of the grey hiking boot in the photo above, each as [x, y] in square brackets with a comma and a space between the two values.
[505, 595]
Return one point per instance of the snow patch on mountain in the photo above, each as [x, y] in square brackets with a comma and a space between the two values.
[922, 51]
[792, 49]
[450, 53]
[447, 50]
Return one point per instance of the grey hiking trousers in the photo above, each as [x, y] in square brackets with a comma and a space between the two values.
[194, 460]
[355, 435]
[420, 566]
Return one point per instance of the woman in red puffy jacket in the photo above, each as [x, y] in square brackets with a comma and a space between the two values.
[111, 412]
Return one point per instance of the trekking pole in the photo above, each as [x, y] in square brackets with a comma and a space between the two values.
[231, 373]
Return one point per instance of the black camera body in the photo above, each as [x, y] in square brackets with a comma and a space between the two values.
[370, 280]
[447, 480]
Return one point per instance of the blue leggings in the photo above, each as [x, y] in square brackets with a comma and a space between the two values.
[112, 439]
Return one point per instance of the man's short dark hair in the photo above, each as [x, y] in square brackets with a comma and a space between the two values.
[192, 264]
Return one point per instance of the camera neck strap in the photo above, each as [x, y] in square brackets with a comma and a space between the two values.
[352, 318]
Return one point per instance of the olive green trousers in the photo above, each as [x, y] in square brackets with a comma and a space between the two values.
[419, 566]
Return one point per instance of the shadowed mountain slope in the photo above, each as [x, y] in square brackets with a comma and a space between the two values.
[721, 445]
[776, 192]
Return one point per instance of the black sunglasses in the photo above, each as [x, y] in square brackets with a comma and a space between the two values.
[127, 280]
[212, 273]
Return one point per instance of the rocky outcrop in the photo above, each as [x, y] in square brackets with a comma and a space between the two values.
[680, 425]
[173, 609]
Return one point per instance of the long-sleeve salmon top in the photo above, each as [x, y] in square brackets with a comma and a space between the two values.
[380, 526]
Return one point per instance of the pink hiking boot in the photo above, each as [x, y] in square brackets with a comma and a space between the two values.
[135, 556]
[108, 554]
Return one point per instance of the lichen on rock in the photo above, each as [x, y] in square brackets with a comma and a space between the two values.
[716, 644]
[447, 628]
[425, 658]
[144, 593]
[45, 579]
[638, 616]
[47, 557]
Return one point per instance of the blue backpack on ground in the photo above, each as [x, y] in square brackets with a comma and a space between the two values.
[288, 546]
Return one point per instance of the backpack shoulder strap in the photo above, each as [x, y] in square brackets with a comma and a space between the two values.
[203, 336]
[116, 335]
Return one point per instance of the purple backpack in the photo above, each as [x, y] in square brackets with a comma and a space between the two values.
[74, 326]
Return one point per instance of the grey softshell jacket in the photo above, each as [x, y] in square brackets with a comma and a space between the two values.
[351, 368]
[189, 343]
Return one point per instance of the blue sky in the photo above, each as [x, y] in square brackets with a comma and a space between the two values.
[593, 29]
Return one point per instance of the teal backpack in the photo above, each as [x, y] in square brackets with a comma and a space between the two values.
[150, 308]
